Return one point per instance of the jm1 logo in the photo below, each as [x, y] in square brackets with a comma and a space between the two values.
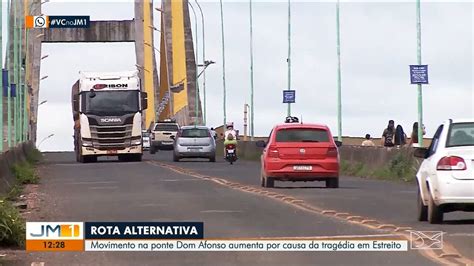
[60, 230]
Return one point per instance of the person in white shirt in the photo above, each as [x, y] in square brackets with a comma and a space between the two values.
[213, 133]
[368, 141]
[230, 130]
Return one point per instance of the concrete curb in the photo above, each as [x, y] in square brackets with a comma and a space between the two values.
[7, 160]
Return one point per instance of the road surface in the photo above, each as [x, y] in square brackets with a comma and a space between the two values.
[226, 198]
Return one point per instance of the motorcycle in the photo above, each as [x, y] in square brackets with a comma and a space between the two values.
[230, 153]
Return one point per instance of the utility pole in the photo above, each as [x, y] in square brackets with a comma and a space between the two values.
[289, 53]
[204, 62]
[251, 75]
[1, 78]
[15, 75]
[420, 92]
[339, 96]
[9, 110]
[196, 100]
[223, 63]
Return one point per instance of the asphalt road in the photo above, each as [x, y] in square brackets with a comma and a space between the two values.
[147, 191]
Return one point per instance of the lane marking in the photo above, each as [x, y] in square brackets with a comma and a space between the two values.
[179, 180]
[91, 183]
[220, 211]
[99, 188]
[434, 255]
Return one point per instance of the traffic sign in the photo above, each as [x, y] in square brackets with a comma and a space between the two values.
[419, 74]
[289, 96]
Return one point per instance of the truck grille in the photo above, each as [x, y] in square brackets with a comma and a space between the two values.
[111, 137]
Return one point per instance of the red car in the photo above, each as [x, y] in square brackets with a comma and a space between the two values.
[300, 152]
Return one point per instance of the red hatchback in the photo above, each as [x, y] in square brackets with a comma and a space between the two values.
[300, 152]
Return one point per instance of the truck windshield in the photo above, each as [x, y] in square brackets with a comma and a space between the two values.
[110, 102]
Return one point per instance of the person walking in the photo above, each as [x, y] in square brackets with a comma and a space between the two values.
[389, 135]
[400, 136]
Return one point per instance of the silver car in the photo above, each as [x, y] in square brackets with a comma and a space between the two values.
[194, 142]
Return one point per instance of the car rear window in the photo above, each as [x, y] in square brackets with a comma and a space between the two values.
[194, 133]
[302, 135]
[461, 134]
[166, 127]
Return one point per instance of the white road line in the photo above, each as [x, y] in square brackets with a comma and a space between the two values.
[37, 263]
[220, 211]
[91, 183]
[153, 205]
[178, 180]
[97, 188]
[461, 234]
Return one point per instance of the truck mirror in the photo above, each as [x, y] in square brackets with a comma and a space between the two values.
[92, 94]
[144, 100]
[75, 103]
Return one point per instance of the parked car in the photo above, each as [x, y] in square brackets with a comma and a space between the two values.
[194, 142]
[146, 140]
[300, 152]
[161, 135]
[446, 175]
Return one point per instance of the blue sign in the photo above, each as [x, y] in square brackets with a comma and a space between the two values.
[13, 90]
[5, 82]
[289, 96]
[419, 74]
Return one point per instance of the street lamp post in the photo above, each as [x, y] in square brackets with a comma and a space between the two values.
[45, 139]
[289, 53]
[251, 74]
[419, 87]
[196, 100]
[223, 63]
[339, 103]
[204, 60]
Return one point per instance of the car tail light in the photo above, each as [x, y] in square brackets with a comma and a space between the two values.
[451, 163]
[332, 152]
[273, 152]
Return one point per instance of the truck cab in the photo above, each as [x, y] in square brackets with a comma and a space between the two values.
[107, 111]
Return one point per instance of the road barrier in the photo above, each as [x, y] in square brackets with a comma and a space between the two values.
[7, 160]
[373, 157]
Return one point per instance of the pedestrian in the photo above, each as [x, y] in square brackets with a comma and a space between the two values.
[389, 134]
[400, 136]
[414, 135]
[368, 141]
[213, 133]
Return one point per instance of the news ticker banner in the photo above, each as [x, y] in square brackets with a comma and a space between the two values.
[175, 236]
[57, 22]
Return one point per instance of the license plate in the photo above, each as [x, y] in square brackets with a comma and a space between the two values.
[230, 151]
[194, 149]
[167, 142]
[302, 167]
[112, 152]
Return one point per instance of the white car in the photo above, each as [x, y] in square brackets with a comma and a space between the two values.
[446, 175]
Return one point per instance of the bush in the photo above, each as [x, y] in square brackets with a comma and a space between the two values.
[402, 167]
[12, 225]
[34, 156]
[25, 173]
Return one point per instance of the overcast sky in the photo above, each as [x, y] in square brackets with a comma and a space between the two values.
[378, 42]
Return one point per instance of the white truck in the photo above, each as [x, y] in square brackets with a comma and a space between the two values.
[107, 111]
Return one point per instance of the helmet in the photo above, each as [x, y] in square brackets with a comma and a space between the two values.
[291, 119]
[229, 124]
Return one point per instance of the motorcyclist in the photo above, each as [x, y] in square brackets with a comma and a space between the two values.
[230, 136]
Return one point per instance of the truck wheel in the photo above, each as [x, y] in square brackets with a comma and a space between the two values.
[332, 182]
[435, 213]
[137, 158]
[212, 158]
[422, 214]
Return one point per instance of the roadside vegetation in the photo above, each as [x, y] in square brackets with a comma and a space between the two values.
[12, 224]
[402, 167]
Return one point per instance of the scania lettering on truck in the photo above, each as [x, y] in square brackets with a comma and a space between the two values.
[107, 111]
